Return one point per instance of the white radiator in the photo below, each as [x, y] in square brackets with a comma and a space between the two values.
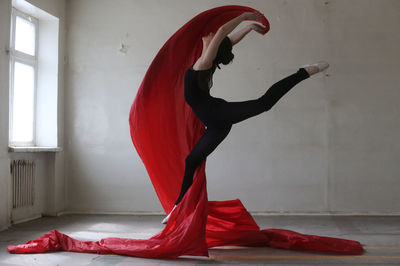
[23, 182]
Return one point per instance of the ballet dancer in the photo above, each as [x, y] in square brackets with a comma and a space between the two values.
[217, 114]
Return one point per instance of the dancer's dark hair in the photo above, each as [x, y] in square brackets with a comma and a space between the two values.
[224, 55]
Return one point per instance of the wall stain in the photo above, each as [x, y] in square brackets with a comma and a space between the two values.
[124, 48]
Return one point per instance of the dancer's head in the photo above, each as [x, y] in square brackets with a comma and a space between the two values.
[224, 54]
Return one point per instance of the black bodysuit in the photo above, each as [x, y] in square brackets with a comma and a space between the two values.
[219, 115]
[197, 94]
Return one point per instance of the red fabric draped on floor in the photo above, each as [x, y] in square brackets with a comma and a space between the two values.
[164, 130]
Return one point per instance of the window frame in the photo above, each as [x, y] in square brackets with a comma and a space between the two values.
[27, 59]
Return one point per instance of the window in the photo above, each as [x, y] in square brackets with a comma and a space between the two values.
[33, 108]
[23, 78]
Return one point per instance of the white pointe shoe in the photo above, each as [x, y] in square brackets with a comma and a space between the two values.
[316, 67]
[167, 218]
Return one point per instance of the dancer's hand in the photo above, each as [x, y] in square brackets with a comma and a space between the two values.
[257, 27]
[252, 16]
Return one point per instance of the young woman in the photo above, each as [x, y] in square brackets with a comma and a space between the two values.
[217, 114]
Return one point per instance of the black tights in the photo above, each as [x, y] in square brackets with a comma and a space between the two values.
[231, 113]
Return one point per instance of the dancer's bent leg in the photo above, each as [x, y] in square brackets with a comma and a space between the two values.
[207, 143]
[234, 112]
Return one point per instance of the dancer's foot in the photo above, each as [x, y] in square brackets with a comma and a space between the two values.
[167, 218]
[316, 67]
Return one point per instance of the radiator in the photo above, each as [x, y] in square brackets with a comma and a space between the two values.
[23, 182]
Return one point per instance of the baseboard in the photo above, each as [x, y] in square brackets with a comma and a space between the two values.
[112, 212]
[252, 213]
[27, 219]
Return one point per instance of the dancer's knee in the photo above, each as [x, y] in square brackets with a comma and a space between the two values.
[268, 106]
[266, 103]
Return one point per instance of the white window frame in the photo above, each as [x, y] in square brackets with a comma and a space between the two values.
[18, 56]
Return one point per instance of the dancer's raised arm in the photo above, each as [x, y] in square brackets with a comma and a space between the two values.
[207, 57]
[238, 36]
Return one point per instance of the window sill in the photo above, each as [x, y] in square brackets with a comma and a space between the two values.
[34, 149]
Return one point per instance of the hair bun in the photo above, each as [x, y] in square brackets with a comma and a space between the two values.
[227, 58]
[224, 55]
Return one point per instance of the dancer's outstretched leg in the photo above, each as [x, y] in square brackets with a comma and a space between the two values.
[234, 112]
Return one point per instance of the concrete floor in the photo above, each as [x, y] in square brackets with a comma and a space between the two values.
[379, 235]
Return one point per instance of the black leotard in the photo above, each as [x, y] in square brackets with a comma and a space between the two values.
[197, 85]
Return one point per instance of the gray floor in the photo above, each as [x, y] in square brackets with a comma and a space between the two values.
[379, 235]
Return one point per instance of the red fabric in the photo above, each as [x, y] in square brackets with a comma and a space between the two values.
[164, 130]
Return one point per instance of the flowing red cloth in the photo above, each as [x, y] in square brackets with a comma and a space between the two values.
[164, 129]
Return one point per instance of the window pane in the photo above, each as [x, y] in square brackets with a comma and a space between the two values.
[25, 36]
[23, 103]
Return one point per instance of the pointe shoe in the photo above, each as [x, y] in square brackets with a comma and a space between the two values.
[167, 218]
[316, 67]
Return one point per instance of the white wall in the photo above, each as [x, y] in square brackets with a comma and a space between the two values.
[328, 146]
[50, 188]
